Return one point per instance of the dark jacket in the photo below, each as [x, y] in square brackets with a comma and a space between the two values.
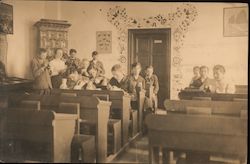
[98, 65]
[153, 81]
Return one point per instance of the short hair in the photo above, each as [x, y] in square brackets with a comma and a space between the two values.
[94, 53]
[116, 67]
[42, 50]
[196, 67]
[204, 67]
[136, 64]
[72, 51]
[149, 67]
[219, 67]
[57, 49]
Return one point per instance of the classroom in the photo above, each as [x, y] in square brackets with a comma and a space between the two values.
[123, 82]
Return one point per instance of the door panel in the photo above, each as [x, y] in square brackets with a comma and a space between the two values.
[151, 48]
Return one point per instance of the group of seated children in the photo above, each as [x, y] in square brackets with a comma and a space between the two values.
[69, 72]
[219, 84]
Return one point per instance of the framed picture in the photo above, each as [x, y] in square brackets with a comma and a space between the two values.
[6, 18]
[104, 41]
[235, 21]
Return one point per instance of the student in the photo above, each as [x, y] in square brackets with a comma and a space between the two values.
[220, 84]
[83, 68]
[72, 62]
[135, 81]
[97, 80]
[57, 67]
[151, 80]
[199, 83]
[97, 64]
[2, 71]
[193, 83]
[119, 80]
[40, 71]
[73, 77]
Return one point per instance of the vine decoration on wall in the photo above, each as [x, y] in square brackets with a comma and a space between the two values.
[179, 22]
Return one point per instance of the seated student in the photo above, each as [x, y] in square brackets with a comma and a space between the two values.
[203, 78]
[2, 72]
[97, 64]
[135, 81]
[57, 67]
[97, 80]
[220, 84]
[151, 80]
[40, 71]
[193, 83]
[83, 67]
[119, 80]
[73, 78]
[72, 61]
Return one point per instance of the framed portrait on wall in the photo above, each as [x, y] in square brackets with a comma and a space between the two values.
[235, 21]
[104, 41]
[6, 18]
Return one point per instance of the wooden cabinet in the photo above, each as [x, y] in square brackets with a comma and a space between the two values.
[52, 34]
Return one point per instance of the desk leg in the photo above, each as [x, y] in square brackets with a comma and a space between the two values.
[167, 156]
[153, 155]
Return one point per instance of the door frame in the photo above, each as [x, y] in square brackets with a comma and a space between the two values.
[167, 33]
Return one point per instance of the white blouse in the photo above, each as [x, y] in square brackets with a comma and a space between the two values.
[56, 66]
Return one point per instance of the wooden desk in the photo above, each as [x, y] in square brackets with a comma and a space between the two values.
[214, 135]
[92, 110]
[15, 84]
[120, 104]
[36, 135]
[189, 94]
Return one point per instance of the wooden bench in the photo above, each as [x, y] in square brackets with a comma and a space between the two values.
[208, 134]
[37, 135]
[120, 105]
[92, 110]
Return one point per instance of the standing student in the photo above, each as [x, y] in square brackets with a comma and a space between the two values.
[40, 71]
[2, 71]
[119, 79]
[135, 81]
[72, 61]
[151, 80]
[57, 67]
[193, 83]
[97, 64]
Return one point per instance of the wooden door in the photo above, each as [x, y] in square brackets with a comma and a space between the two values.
[152, 47]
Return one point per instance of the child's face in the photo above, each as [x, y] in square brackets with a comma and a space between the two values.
[73, 54]
[203, 72]
[218, 75]
[196, 72]
[136, 70]
[118, 75]
[43, 55]
[85, 64]
[93, 72]
[149, 72]
[95, 57]
[59, 54]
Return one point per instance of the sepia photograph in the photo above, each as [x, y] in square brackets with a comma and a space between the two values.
[123, 82]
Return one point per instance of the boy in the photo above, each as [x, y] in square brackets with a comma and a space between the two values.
[57, 67]
[219, 83]
[40, 71]
[199, 83]
[72, 61]
[151, 80]
[97, 80]
[83, 68]
[97, 64]
[119, 80]
[196, 71]
[135, 81]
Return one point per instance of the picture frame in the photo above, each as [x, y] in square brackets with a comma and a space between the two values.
[104, 41]
[235, 21]
[6, 18]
